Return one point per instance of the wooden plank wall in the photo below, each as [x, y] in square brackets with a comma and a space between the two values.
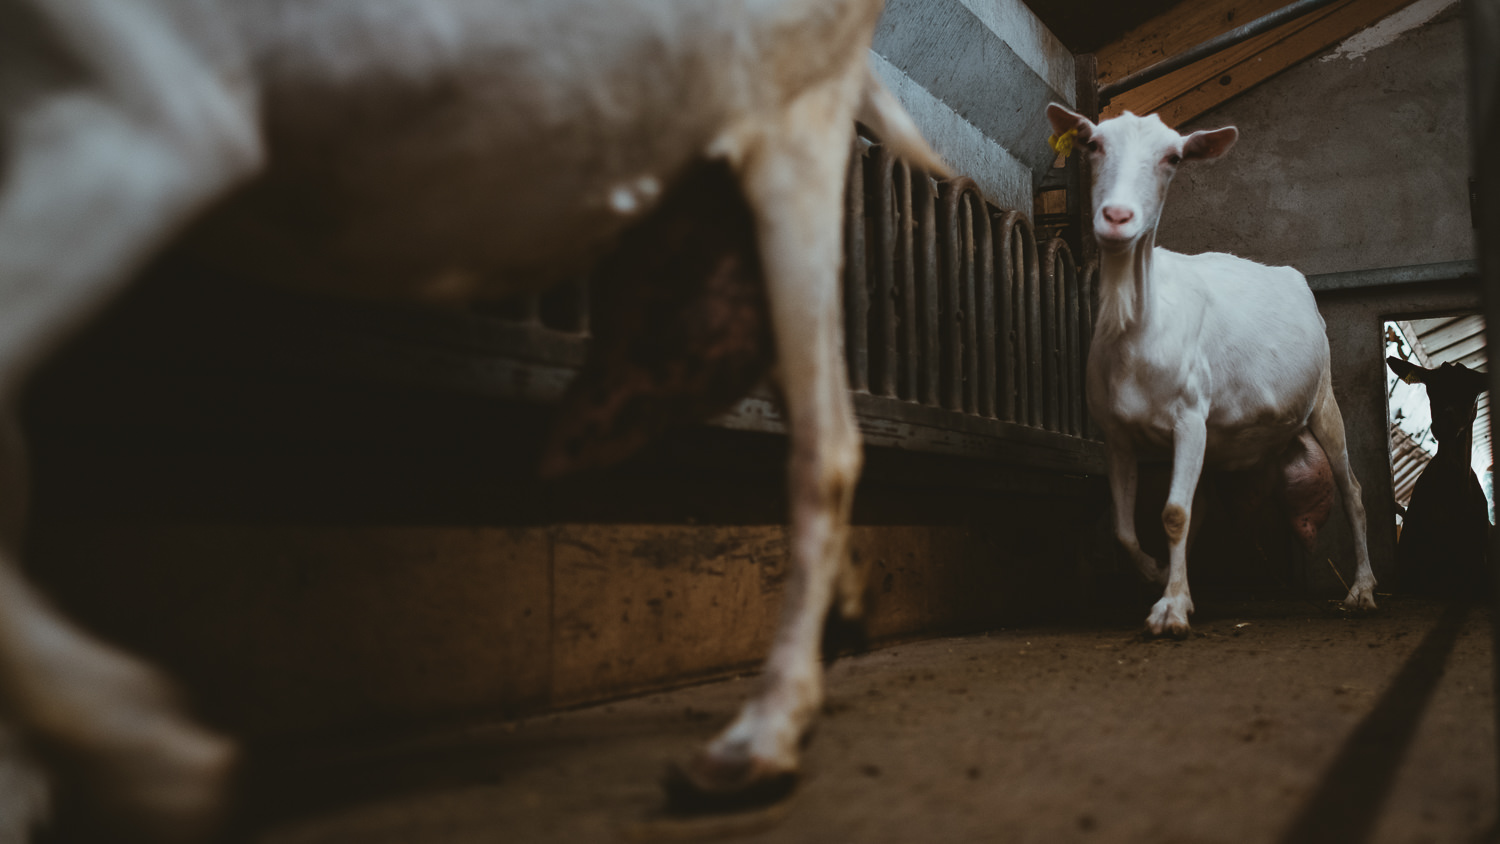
[295, 629]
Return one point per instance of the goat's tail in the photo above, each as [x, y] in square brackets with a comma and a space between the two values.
[885, 116]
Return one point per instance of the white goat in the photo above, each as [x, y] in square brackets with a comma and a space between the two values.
[1206, 360]
[474, 148]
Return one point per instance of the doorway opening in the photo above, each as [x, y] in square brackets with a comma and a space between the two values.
[1431, 342]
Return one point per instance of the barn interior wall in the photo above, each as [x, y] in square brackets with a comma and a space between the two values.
[1345, 162]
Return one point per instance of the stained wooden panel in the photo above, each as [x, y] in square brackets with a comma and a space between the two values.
[647, 605]
[290, 628]
[1193, 90]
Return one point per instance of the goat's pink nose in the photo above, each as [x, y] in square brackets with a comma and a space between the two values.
[1118, 215]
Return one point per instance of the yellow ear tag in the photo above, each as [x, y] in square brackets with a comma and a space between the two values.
[1411, 377]
[1063, 144]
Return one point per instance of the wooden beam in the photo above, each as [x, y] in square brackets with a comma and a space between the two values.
[1187, 93]
[1185, 25]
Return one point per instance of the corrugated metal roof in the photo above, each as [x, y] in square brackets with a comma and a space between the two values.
[1430, 343]
[1408, 459]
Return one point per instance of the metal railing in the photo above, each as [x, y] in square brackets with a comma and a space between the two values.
[963, 334]
[950, 302]
[965, 337]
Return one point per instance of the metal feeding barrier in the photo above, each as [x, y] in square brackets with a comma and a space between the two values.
[950, 303]
[963, 334]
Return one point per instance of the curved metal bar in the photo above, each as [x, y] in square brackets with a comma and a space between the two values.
[1053, 372]
[924, 314]
[954, 290]
[1018, 263]
[986, 342]
[901, 357]
[856, 291]
[977, 270]
[1063, 280]
[1034, 352]
[1088, 291]
[882, 176]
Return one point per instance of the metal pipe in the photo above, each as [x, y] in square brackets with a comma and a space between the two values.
[1414, 274]
[1211, 46]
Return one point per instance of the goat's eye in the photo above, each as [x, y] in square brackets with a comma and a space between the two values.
[1174, 159]
[1092, 145]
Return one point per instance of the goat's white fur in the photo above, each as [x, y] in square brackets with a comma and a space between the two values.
[1207, 360]
[538, 113]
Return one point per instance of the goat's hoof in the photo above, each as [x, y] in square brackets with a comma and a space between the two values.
[146, 772]
[1170, 618]
[710, 783]
[1360, 600]
[167, 795]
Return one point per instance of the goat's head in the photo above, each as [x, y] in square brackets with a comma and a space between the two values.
[1452, 390]
[1134, 160]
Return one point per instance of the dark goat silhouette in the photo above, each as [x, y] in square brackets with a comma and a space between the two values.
[1446, 531]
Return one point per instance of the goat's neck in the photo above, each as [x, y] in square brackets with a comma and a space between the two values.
[1454, 453]
[1125, 287]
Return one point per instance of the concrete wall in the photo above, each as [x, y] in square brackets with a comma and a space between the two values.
[976, 75]
[1345, 162]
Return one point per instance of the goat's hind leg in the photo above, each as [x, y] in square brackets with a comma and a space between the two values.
[1124, 476]
[794, 180]
[1327, 426]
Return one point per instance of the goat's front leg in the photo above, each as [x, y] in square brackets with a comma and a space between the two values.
[1189, 440]
[1123, 476]
[794, 180]
[98, 172]
[105, 723]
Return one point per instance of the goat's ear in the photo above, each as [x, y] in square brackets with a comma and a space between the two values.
[1405, 370]
[1064, 120]
[1479, 381]
[1209, 144]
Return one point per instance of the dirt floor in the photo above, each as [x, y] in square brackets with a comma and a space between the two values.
[1275, 722]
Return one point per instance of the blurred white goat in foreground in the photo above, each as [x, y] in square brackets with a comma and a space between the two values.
[413, 149]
